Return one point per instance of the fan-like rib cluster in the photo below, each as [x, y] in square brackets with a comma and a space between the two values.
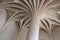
[21, 11]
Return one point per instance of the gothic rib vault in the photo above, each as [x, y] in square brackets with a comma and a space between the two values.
[16, 15]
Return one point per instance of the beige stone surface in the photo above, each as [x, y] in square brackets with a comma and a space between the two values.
[15, 18]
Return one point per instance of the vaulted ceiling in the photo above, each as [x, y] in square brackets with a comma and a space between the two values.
[20, 12]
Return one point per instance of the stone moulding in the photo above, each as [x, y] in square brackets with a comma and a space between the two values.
[20, 12]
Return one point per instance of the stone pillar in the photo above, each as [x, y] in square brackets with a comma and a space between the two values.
[34, 28]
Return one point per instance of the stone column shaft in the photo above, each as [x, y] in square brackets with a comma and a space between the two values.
[34, 28]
